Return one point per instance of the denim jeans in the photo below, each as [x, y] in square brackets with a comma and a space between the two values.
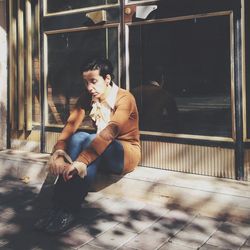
[70, 194]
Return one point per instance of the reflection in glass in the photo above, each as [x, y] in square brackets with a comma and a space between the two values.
[36, 108]
[63, 5]
[66, 54]
[180, 76]
[75, 20]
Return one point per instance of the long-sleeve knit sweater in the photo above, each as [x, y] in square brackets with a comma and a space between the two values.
[123, 126]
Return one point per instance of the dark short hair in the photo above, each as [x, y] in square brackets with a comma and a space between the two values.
[104, 66]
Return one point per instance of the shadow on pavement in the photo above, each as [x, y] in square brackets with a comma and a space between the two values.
[108, 222]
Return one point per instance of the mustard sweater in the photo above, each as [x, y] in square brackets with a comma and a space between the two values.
[123, 126]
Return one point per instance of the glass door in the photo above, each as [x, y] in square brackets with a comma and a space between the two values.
[71, 36]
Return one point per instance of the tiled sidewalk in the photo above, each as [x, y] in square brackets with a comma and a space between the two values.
[107, 222]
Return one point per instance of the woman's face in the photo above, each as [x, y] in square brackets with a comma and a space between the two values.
[95, 84]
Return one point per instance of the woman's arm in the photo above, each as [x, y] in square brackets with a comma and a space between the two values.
[120, 118]
[74, 121]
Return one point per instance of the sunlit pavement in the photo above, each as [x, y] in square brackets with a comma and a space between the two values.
[147, 209]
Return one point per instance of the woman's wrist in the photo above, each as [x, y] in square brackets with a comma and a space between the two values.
[81, 168]
[61, 153]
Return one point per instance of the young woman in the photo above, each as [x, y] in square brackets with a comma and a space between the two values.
[77, 156]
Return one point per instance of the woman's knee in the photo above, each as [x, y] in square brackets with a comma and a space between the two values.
[115, 148]
[90, 137]
[81, 138]
[78, 137]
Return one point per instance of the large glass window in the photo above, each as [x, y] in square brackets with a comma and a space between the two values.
[247, 33]
[64, 5]
[180, 74]
[36, 108]
[66, 54]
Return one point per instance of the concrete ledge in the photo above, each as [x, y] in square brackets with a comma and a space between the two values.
[210, 196]
[21, 164]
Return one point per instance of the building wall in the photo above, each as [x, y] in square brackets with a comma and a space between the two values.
[196, 98]
[3, 75]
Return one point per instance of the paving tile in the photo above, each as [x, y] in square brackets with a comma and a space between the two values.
[126, 248]
[97, 225]
[247, 243]
[74, 238]
[210, 247]
[197, 232]
[155, 211]
[17, 197]
[30, 239]
[171, 246]
[245, 248]
[118, 205]
[143, 218]
[112, 238]
[119, 209]
[20, 234]
[3, 242]
[89, 212]
[230, 235]
[6, 214]
[236, 215]
[9, 228]
[89, 247]
[147, 174]
[57, 248]
[145, 241]
[93, 196]
[243, 202]
[162, 230]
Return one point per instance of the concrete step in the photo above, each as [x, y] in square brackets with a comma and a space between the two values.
[210, 196]
[21, 164]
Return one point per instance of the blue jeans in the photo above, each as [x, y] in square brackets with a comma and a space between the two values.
[70, 194]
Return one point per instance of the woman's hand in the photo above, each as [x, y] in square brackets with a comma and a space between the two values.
[68, 172]
[56, 165]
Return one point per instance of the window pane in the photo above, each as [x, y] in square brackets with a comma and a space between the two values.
[66, 54]
[36, 108]
[80, 19]
[180, 75]
[247, 20]
[62, 5]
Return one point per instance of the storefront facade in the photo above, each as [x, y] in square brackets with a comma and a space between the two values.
[184, 60]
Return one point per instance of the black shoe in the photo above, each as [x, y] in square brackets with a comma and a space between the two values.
[43, 222]
[62, 221]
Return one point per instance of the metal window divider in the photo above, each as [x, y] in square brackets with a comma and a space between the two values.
[28, 53]
[20, 61]
[12, 64]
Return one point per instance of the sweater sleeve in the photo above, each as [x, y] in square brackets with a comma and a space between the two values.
[74, 121]
[121, 115]
[72, 124]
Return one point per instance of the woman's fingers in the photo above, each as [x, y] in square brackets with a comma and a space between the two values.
[69, 172]
[59, 166]
[66, 171]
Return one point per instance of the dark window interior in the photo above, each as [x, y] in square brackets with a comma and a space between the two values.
[62, 5]
[180, 74]
[247, 34]
[67, 52]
